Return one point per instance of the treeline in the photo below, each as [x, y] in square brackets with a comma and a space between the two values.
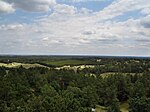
[50, 90]
[103, 60]
[119, 67]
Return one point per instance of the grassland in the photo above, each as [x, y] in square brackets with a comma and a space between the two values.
[70, 62]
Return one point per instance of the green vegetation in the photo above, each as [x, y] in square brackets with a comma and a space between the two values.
[112, 85]
[140, 104]
[69, 62]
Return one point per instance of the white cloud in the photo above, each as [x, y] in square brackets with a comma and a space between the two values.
[28, 5]
[76, 1]
[90, 32]
[119, 7]
[11, 27]
[34, 5]
[146, 11]
[45, 39]
[146, 21]
[6, 7]
[85, 11]
[64, 9]
[68, 30]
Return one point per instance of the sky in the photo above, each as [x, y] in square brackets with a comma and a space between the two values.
[75, 27]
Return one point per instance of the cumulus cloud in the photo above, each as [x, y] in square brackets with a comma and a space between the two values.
[27, 5]
[64, 9]
[6, 7]
[34, 5]
[85, 11]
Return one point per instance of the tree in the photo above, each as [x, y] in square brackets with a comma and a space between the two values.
[90, 97]
[140, 104]
[114, 107]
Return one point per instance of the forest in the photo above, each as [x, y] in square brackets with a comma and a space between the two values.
[74, 84]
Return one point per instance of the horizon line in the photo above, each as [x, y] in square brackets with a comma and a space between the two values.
[78, 55]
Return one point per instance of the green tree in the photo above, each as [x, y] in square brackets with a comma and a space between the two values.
[140, 104]
[114, 107]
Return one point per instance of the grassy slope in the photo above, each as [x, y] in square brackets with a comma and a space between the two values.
[16, 65]
[124, 107]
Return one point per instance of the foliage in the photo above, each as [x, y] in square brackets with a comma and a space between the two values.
[140, 104]
[50, 90]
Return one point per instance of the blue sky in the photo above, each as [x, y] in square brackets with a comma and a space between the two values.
[93, 27]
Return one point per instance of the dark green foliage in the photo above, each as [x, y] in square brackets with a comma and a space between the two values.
[114, 107]
[140, 104]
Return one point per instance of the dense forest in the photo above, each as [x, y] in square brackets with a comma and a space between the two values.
[109, 83]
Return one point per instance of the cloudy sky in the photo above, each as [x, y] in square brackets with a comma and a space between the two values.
[93, 27]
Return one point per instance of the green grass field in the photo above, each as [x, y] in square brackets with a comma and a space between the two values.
[69, 62]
